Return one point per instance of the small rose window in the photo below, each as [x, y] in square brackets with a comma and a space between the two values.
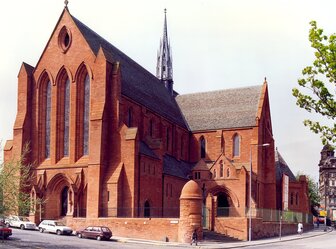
[64, 39]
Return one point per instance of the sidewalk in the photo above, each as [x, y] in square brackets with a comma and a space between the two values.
[213, 245]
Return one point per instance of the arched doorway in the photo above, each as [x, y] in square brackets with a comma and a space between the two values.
[64, 201]
[223, 206]
[147, 209]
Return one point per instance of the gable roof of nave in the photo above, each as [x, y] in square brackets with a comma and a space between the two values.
[229, 108]
[137, 83]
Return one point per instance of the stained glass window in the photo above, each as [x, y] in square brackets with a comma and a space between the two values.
[66, 117]
[86, 115]
[202, 141]
[236, 145]
[47, 119]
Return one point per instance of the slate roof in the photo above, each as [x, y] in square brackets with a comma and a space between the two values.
[173, 167]
[221, 109]
[137, 83]
[281, 167]
[145, 150]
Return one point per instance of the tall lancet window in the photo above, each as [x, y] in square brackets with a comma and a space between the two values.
[47, 101]
[202, 147]
[86, 115]
[66, 117]
[63, 116]
[236, 145]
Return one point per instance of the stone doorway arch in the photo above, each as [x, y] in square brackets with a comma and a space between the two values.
[60, 197]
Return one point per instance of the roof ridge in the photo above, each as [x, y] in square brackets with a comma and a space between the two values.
[129, 59]
[220, 90]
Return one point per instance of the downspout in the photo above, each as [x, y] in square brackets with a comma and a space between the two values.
[139, 168]
[162, 194]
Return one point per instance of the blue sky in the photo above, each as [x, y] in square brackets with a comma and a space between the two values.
[216, 44]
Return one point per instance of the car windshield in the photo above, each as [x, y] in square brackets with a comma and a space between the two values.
[57, 223]
[23, 219]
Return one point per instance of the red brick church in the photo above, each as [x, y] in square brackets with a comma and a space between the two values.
[109, 139]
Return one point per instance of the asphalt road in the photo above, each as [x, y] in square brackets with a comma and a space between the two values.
[35, 240]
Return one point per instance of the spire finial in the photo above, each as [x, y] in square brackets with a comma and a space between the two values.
[165, 10]
[66, 3]
[265, 80]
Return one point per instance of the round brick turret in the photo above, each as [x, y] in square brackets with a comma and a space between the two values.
[190, 212]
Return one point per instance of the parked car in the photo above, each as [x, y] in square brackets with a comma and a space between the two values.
[95, 232]
[20, 222]
[54, 226]
[5, 231]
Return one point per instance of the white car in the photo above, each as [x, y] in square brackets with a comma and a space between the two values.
[54, 226]
[20, 222]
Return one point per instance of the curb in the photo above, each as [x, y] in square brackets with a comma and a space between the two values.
[216, 246]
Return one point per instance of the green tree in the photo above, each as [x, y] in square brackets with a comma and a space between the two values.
[313, 192]
[15, 179]
[319, 81]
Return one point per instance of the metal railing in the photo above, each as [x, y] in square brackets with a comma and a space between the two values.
[272, 215]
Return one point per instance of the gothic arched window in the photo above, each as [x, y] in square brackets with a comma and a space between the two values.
[83, 113]
[236, 145]
[86, 114]
[221, 169]
[130, 117]
[228, 172]
[47, 120]
[202, 147]
[63, 116]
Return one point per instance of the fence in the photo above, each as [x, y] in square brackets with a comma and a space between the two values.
[267, 215]
[271, 215]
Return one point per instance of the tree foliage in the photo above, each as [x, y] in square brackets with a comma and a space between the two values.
[15, 179]
[319, 80]
[313, 192]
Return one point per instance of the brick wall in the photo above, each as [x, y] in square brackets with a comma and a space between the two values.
[142, 228]
[237, 227]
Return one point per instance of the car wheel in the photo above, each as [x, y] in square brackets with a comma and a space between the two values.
[99, 238]
[22, 227]
[79, 235]
[41, 230]
[58, 232]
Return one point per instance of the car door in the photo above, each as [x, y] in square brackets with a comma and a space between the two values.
[86, 232]
[51, 227]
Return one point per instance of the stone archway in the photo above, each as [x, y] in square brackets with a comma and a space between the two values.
[60, 198]
[221, 202]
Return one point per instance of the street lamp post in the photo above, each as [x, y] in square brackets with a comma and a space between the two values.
[250, 189]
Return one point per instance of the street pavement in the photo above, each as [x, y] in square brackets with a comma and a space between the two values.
[235, 244]
[33, 239]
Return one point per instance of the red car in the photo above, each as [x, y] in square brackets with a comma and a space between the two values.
[5, 231]
[95, 232]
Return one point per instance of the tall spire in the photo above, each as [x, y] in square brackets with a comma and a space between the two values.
[164, 66]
